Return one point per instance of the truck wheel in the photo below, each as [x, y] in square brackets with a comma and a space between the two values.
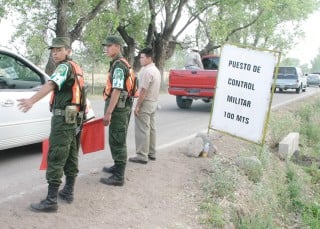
[183, 103]
[206, 100]
[298, 90]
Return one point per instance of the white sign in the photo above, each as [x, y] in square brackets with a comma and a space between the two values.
[243, 92]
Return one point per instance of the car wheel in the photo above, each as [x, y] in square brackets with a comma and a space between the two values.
[183, 103]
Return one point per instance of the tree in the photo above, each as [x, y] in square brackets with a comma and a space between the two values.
[2, 10]
[315, 63]
[290, 62]
[262, 23]
[161, 24]
[53, 18]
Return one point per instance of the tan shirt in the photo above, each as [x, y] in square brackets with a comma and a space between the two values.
[150, 79]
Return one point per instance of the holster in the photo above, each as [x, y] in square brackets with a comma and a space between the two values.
[80, 118]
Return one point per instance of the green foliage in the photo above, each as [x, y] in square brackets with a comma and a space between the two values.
[294, 190]
[37, 47]
[271, 21]
[315, 63]
[215, 22]
[221, 185]
[287, 195]
[252, 168]
[311, 215]
[255, 221]
[223, 181]
[213, 212]
[310, 210]
[177, 60]
[290, 62]
[314, 172]
[280, 124]
[2, 9]
[309, 131]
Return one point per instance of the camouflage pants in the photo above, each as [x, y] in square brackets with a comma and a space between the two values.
[118, 132]
[63, 151]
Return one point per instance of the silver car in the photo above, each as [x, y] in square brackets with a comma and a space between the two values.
[313, 80]
[291, 78]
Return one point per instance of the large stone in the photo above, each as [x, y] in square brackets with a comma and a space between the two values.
[195, 147]
[288, 146]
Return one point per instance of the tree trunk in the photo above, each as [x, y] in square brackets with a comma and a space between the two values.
[61, 30]
[160, 46]
[62, 25]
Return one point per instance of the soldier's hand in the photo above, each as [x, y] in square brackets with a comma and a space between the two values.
[107, 119]
[24, 104]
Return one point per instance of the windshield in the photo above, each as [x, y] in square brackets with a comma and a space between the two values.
[287, 71]
[292, 77]
[314, 77]
[211, 63]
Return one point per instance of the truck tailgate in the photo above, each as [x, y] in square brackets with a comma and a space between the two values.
[197, 83]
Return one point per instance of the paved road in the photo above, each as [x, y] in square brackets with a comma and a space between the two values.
[19, 166]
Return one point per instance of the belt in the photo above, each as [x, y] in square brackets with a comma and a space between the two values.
[59, 112]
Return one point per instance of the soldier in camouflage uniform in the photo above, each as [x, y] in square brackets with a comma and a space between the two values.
[64, 147]
[117, 111]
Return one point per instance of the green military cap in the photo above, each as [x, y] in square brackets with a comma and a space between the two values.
[112, 40]
[60, 42]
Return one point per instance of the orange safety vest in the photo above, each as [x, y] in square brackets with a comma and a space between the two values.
[77, 87]
[131, 82]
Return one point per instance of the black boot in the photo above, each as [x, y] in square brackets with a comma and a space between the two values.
[117, 179]
[50, 203]
[66, 193]
[111, 169]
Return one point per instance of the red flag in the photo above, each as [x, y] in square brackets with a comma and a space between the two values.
[45, 150]
[92, 137]
[92, 140]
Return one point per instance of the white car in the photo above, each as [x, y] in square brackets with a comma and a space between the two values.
[19, 78]
[291, 78]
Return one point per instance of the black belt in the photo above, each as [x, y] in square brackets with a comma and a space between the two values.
[59, 112]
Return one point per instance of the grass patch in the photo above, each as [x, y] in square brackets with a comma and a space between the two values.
[214, 213]
[220, 187]
[287, 196]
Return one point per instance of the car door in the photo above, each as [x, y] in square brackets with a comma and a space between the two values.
[19, 78]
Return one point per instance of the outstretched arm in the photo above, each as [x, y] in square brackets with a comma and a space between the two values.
[26, 104]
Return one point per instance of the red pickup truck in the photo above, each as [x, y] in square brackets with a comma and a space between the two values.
[190, 84]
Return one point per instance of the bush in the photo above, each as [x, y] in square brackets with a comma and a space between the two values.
[280, 124]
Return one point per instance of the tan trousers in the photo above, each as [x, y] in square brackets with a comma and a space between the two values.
[145, 130]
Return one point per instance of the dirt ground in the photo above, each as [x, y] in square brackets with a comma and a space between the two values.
[165, 193]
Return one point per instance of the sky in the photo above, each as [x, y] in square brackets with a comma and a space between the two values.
[305, 51]
[308, 47]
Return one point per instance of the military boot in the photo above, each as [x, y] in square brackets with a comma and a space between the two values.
[50, 203]
[111, 169]
[66, 193]
[117, 179]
